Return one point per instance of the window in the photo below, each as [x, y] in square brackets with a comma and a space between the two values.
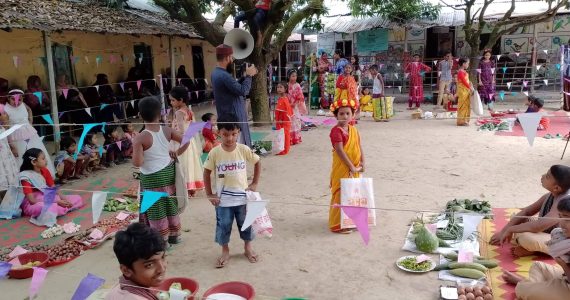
[293, 53]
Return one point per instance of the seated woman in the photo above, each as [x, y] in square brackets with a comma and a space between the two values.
[71, 102]
[140, 251]
[529, 236]
[34, 178]
[39, 107]
[548, 282]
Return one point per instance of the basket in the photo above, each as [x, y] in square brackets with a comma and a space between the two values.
[233, 287]
[25, 258]
[187, 283]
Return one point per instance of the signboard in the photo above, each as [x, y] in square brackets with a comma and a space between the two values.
[372, 40]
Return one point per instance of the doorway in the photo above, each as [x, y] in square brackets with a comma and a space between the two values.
[345, 47]
[143, 60]
[62, 62]
[199, 73]
[439, 40]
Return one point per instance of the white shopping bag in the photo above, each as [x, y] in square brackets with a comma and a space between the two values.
[278, 141]
[357, 192]
[476, 104]
[262, 224]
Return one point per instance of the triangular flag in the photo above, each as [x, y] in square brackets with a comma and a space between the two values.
[545, 51]
[139, 82]
[17, 251]
[400, 88]
[87, 286]
[478, 70]
[97, 88]
[382, 65]
[98, 60]
[48, 119]
[396, 75]
[525, 82]
[103, 127]
[49, 199]
[37, 281]
[502, 95]
[517, 54]
[86, 129]
[120, 145]
[122, 85]
[435, 62]
[149, 198]
[525, 93]
[133, 103]
[59, 114]
[546, 81]
[422, 73]
[498, 57]
[529, 123]
[16, 61]
[39, 95]
[88, 111]
[191, 131]
[504, 69]
[87, 59]
[470, 224]
[558, 67]
[254, 209]
[491, 96]
[406, 75]
[100, 151]
[4, 269]
[275, 68]
[104, 105]
[140, 60]
[17, 98]
[438, 73]
[509, 85]
[514, 93]
[65, 92]
[97, 202]
[178, 79]
[538, 67]
[359, 216]
[492, 70]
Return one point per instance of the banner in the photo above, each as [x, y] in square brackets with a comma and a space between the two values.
[372, 40]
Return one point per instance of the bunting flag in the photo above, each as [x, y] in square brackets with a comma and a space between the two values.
[538, 67]
[133, 103]
[191, 131]
[382, 65]
[502, 95]
[103, 127]
[100, 151]
[88, 111]
[479, 71]
[400, 88]
[59, 114]
[396, 75]
[509, 85]
[149, 198]
[178, 79]
[39, 95]
[435, 62]
[504, 69]
[17, 98]
[48, 119]
[97, 88]
[558, 67]
[140, 60]
[359, 216]
[87, 59]
[86, 129]
[545, 51]
[65, 92]
[525, 93]
[275, 68]
[120, 145]
[470, 224]
[16, 61]
[104, 105]
[529, 123]
[546, 81]
[406, 75]
[37, 281]
[97, 202]
[398, 64]
[514, 93]
[87, 286]
[492, 70]
[498, 57]
[4, 269]
[517, 54]
[122, 85]
[525, 83]
[422, 73]
[438, 73]
[491, 96]
[98, 60]
[139, 82]
[112, 59]
[49, 199]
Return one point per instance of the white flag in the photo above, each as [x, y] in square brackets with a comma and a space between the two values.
[509, 85]
[255, 206]
[88, 111]
[529, 123]
[97, 202]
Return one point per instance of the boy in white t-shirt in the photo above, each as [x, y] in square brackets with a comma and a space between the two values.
[228, 162]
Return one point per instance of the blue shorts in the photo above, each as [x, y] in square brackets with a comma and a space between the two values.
[224, 219]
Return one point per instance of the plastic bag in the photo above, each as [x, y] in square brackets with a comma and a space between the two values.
[357, 192]
[262, 225]
[476, 104]
[278, 141]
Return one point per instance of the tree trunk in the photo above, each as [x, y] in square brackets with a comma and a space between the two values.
[474, 63]
[259, 94]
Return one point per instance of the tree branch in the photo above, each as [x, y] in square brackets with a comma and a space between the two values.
[313, 7]
[223, 14]
[525, 22]
[244, 5]
[449, 5]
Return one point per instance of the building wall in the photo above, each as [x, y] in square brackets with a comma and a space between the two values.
[115, 52]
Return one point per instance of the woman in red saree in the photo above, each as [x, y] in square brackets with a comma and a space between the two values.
[297, 100]
[283, 116]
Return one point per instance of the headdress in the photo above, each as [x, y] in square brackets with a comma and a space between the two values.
[344, 103]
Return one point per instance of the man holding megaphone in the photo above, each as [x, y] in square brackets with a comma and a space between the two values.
[229, 93]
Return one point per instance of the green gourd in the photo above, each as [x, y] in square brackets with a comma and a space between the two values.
[426, 241]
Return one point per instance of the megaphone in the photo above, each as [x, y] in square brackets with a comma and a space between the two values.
[241, 42]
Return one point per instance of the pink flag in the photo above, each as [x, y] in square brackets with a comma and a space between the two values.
[37, 281]
[492, 70]
[17, 98]
[120, 145]
[491, 96]
[330, 122]
[197, 94]
[478, 70]
[525, 82]
[193, 129]
[359, 216]
[17, 251]
[65, 91]
[122, 84]
[139, 82]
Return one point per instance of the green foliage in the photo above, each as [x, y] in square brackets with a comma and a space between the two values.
[398, 11]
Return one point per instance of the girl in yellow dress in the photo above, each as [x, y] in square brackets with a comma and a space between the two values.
[366, 107]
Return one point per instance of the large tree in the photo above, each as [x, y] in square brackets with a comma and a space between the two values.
[282, 19]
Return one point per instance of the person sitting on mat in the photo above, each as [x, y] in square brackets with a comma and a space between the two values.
[529, 235]
[546, 281]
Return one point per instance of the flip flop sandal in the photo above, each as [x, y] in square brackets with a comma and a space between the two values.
[220, 264]
[547, 136]
[558, 136]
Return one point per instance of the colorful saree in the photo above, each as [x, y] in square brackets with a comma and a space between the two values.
[463, 98]
[340, 170]
[164, 214]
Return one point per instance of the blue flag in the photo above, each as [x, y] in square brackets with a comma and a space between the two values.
[87, 286]
[149, 198]
[48, 119]
[86, 129]
[39, 95]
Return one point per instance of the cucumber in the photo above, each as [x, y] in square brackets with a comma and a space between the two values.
[451, 256]
[444, 266]
[443, 243]
[476, 266]
[490, 264]
[467, 273]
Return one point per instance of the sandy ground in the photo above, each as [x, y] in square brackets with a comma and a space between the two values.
[416, 165]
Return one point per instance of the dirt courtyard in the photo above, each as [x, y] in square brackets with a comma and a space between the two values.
[415, 164]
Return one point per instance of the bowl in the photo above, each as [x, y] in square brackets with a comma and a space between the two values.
[187, 284]
[25, 258]
[238, 288]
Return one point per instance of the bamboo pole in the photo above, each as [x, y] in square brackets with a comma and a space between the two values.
[52, 87]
